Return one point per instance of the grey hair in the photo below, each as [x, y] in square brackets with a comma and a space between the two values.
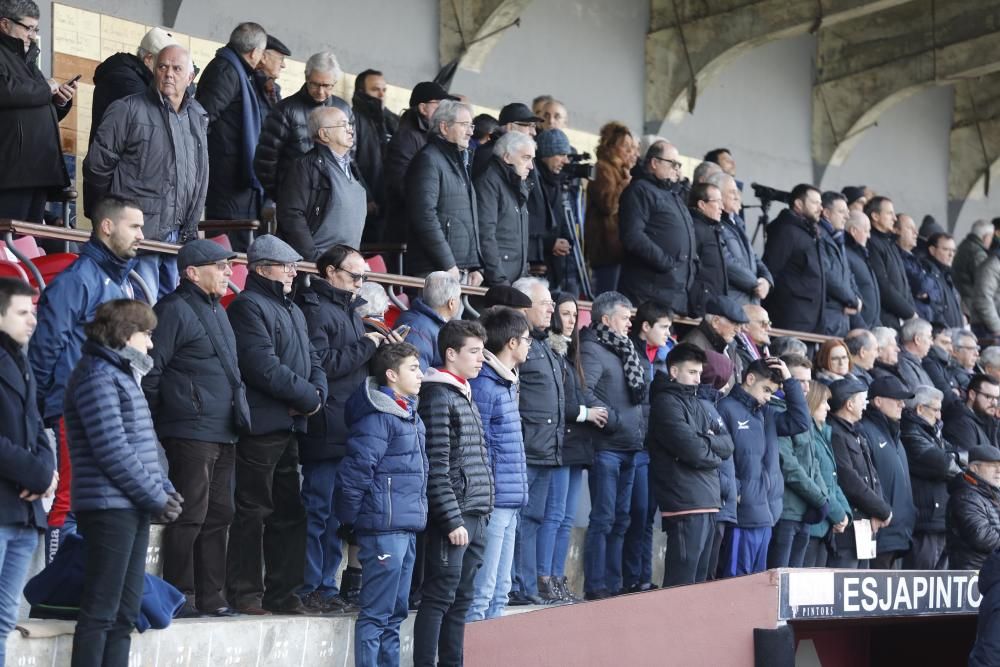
[990, 356]
[18, 9]
[981, 228]
[605, 304]
[527, 284]
[860, 341]
[883, 335]
[247, 37]
[447, 112]
[704, 170]
[913, 328]
[925, 395]
[324, 61]
[782, 345]
[376, 300]
[440, 287]
[856, 219]
[187, 53]
[958, 334]
[720, 179]
[512, 142]
[317, 118]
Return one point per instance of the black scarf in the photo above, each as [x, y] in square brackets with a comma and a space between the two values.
[635, 375]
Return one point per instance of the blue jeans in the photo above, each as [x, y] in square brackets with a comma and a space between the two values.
[323, 548]
[531, 521]
[386, 568]
[159, 272]
[560, 513]
[492, 582]
[17, 546]
[610, 497]
[637, 554]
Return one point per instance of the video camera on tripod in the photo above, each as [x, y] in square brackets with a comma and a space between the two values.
[767, 195]
[579, 167]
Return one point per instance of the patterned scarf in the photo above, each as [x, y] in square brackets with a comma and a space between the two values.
[622, 346]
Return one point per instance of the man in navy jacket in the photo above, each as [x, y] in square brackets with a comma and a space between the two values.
[755, 427]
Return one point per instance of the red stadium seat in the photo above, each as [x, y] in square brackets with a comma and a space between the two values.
[391, 315]
[377, 264]
[222, 240]
[51, 266]
[583, 319]
[10, 269]
[228, 299]
[239, 277]
[28, 247]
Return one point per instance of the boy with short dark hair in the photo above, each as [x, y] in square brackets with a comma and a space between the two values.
[381, 494]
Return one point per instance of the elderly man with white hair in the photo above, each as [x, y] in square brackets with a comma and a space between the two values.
[749, 280]
[322, 201]
[502, 197]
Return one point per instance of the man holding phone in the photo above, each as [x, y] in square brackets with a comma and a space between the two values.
[337, 332]
[31, 107]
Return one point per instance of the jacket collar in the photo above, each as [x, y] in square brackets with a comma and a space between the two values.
[113, 265]
[246, 66]
[17, 46]
[435, 376]
[95, 349]
[697, 215]
[335, 295]
[791, 217]
[13, 373]
[420, 306]
[452, 151]
[505, 374]
[269, 288]
[717, 342]
[382, 402]
[748, 401]
[520, 185]
[366, 105]
[883, 423]
[851, 244]
[188, 287]
[306, 99]
[834, 420]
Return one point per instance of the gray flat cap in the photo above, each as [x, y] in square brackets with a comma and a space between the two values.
[269, 248]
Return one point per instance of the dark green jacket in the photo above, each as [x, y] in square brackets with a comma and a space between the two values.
[839, 507]
[804, 484]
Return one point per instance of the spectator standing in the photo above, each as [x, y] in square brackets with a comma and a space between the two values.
[322, 201]
[985, 650]
[124, 74]
[267, 72]
[755, 427]
[441, 201]
[386, 442]
[285, 135]
[863, 347]
[716, 372]
[838, 515]
[286, 383]
[717, 332]
[613, 173]
[31, 107]
[984, 315]
[857, 234]
[920, 284]
[887, 362]
[881, 426]
[711, 279]
[198, 402]
[971, 252]
[460, 496]
[946, 305]
[409, 138]
[226, 90]
[119, 483]
[99, 274]
[856, 196]
[618, 378]
[686, 447]
[657, 233]
[965, 354]
[337, 335]
[551, 217]
[917, 338]
[856, 473]
[970, 424]
[494, 390]
[886, 261]
[794, 254]
[514, 117]
[439, 302]
[502, 203]
[374, 126]
[29, 469]
[164, 126]
[940, 366]
[973, 519]
[842, 300]
[748, 279]
[933, 463]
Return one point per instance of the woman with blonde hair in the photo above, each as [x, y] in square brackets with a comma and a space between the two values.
[617, 153]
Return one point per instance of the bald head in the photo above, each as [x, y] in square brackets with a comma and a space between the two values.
[859, 227]
[173, 74]
[331, 127]
[759, 327]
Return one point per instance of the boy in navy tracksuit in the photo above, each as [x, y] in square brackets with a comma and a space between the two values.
[755, 427]
[381, 494]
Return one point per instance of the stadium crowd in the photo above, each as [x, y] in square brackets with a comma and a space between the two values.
[446, 455]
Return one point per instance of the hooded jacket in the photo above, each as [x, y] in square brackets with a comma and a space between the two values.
[502, 201]
[686, 448]
[381, 484]
[856, 472]
[755, 429]
[973, 521]
[893, 469]
[495, 392]
[460, 479]
[71, 299]
[968, 256]
[120, 75]
[795, 257]
[932, 462]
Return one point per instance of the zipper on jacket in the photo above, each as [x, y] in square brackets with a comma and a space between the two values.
[390, 503]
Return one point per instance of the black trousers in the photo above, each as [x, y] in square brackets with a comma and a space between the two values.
[927, 553]
[115, 542]
[718, 535]
[194, 546]
[890, 560]
[27, 204]
[447, 592]
[269, 527]
[817, 553]
[689, 548]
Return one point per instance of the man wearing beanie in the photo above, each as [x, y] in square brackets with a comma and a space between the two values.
[549, 243]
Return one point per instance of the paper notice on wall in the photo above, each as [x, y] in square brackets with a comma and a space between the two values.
[76, 32]
[864, 541]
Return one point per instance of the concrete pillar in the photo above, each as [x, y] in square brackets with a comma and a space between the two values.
[865, 66]
[471, 28]
[974, 142]
[689, 42]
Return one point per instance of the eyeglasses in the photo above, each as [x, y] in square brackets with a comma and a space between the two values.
[673, 163]
[990, 398]
[32, 29]
[713, 201]
[348, 124]
[290, 267]
[764, 323]
[221, 265]
[356, 277]
[320, 86]
[527, 340]
[546, 303]
[463, 123]
[970, 348]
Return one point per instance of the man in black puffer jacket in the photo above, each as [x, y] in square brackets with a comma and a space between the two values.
[374, 126]
[973, 519]
[285, 134]
[192, 393]
[886, 261]
[712, 279]
[932, 463]
[459, 495]
[285, 385]
[440, 199]
[502, 197]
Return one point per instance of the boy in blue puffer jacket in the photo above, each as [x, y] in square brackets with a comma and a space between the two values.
[381, 494]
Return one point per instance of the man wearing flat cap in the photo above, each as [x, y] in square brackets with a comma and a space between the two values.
[881, 425]
[856, 472]
[973, 519]
[196, 397]
[717, 332]
[265, 75]
[285, 385]
[515, 117]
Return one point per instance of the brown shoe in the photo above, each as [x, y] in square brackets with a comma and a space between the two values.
[253, 610]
